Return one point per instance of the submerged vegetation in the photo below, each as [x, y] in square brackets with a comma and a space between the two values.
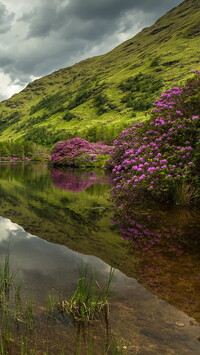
[21, 318]
[89, 299]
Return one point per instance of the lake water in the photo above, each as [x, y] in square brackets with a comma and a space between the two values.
[54, 221]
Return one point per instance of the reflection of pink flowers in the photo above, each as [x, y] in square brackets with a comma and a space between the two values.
[75, 181]
[144, 231]
[71, 181]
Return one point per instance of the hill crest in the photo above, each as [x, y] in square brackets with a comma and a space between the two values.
[98, 97]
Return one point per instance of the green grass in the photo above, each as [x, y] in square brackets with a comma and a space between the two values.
[89, 299]
[44, 104]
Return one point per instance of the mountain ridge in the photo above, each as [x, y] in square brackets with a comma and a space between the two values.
[100, 96]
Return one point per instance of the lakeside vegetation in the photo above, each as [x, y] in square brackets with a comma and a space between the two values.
[22, 150]
[159, 158]
[77, 152]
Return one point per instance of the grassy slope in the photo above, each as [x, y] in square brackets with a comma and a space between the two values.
[174, 39]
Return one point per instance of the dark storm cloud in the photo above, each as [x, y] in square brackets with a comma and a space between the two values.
[46, 17]
[109, 9]
[49, 35]
[6, 19]
[5, 61]
[88, 14]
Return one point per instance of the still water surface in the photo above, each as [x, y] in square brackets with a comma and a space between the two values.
[52, 221]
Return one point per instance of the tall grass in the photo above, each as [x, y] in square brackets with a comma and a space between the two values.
[51, 304]
[89, 298]
[29, 312]
[6, 278]
[185, 193]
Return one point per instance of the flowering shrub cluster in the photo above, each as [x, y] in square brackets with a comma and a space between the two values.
[162, 153]
[79, 152]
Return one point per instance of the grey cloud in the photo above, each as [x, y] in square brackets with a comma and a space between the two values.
[55, 34]
[55, 15]
[43, 19]
[109, 9]
[5, 61]
[6, 19]
[89, 30]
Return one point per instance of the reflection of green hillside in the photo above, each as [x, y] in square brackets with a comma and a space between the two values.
[81, 221]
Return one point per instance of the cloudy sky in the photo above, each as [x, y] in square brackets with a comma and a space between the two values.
[38, 37]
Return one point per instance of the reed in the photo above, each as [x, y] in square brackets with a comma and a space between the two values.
[6, 279]
[17, 300]
[117, 347]
[51, 305]
[185, 193]
[24, 346]
[29, 312]
[89, 298]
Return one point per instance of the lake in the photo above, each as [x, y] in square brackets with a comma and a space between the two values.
[53, 222]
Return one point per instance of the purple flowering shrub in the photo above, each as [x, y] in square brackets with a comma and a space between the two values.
[162, 153]
[78, 152]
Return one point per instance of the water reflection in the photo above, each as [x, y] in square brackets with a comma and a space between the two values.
[167, 243]
[160, 246]
[80, 221]
[75, 180]
[140, 317]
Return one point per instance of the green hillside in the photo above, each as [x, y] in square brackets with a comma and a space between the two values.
[99, 97]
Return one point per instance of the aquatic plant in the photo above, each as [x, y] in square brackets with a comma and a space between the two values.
[23, 331]
[29, 312]
[6, 279]
[51, 304]
[89, 298]
[153, 157]
[117, 347]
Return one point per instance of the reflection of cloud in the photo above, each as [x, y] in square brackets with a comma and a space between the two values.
[44, 265]
[9, 230]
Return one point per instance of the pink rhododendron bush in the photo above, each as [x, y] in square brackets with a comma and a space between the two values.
[78, 152]
[160, 157]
